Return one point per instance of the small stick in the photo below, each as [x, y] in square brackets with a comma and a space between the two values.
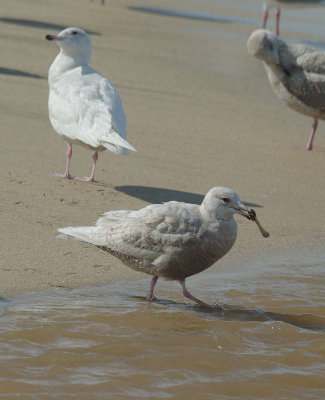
[252, 216]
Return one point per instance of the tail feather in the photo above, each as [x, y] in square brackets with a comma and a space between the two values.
[82, 233]
[115, 139]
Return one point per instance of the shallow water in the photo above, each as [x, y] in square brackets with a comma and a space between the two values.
[265, 339]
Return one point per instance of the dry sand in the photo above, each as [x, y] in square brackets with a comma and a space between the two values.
[200, 113]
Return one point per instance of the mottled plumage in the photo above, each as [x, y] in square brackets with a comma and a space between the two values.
[296, 73]
[173, 240]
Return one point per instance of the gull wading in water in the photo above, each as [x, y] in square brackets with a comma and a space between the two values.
[296, 73]
[84, 107]
[285, 3]
[172, 240]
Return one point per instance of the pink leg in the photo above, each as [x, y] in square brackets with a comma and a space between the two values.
[66, 175]
[152, 286]
[91, 178]
[187, 294]
[311, 138]
[265, 17]
[277, 21]
[95, 158]
[103, 2]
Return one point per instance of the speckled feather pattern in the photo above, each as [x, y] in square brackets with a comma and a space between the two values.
[173, 240]
[296, 72]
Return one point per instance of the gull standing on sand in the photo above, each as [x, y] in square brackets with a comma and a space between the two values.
[296, 73]
[295, 3]
[84, 107]
[173, 240]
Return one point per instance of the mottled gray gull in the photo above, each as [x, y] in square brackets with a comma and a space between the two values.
[296, 73]
[84, 107]
[172, 240]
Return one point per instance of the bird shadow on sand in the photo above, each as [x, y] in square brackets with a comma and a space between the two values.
[160, 195]
[235, 313]
[188, 14]
[38, 24]
[17, 72]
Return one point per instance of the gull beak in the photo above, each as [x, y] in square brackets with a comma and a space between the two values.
[242, 210]
[52, 37]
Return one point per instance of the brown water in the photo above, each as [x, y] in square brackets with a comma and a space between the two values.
[265, 341]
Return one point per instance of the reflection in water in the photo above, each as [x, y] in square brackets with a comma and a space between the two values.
[265, 340]
[228, 312]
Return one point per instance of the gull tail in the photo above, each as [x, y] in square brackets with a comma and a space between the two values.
[113, 138]
[82, 233]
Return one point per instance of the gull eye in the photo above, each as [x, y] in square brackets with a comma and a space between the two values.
[225, 199]
[74, 32]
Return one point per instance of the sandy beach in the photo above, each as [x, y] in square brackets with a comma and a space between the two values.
[200, 113]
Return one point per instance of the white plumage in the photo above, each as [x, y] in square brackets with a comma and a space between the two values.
[173, 240]
[84, 107]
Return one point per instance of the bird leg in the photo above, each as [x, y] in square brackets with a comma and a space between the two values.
[311, 138]
[265, 16]
[152, 286]
[277, 21]
[95, 158]
[187, 294]
[91, 178]
[66, 175]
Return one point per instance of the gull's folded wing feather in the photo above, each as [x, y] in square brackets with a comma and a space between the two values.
[144, 234]
[88, 109]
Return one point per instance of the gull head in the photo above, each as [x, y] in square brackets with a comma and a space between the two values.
[221, 202]
[73, 42]
[264, 45]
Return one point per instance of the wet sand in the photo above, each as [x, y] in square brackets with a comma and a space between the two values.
[200, 113]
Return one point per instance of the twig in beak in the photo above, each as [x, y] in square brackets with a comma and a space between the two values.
[252, 216]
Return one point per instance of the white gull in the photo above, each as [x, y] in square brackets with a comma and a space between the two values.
[84, 107]
[296, 73]
[173, 240]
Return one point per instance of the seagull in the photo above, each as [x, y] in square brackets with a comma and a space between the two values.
[296, 3]
[296, 73]
[173, 240]
[84, 107]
